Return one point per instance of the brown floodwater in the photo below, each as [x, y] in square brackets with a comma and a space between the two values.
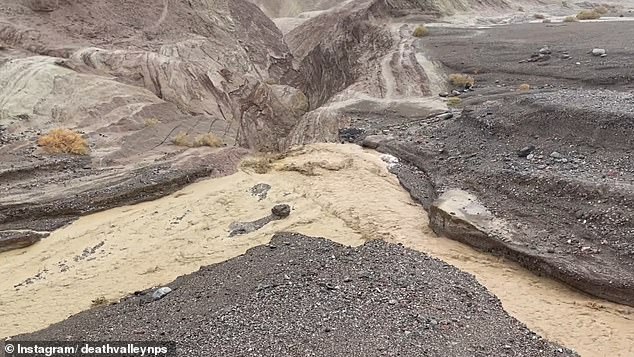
[350, 198]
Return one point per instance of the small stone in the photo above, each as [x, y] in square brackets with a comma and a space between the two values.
[598, 52]
[160, 293]
[392, 302]
[281, 211]
[445, 116]
[545, 50]
[556, 155]
[525, 151]
[443, 94]
[530, 156]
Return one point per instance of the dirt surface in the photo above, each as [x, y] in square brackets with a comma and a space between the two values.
[571, 199]
[378, 299]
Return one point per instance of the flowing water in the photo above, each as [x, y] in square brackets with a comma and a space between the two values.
[340, 192]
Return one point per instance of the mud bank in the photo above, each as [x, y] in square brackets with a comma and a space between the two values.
[337, 191]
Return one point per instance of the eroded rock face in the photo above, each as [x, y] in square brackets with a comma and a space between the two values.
[130, 77]
[459, 215]
[10, 240]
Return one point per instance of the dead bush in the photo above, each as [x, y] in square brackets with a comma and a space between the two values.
[209, 139]
[570, 19]
[461, 80]
[151, 122]
[182, 139]
[588, 15]
[100, 301]
[63, 141]
[420, 31]
[525, 87]
[262, 163]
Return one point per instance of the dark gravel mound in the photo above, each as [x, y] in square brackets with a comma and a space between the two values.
[301, 296]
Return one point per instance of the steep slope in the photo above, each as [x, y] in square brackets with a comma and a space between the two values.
[131, 77]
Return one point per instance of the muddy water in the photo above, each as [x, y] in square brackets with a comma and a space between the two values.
[348, 197]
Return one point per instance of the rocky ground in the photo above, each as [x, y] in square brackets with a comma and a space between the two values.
[554, 160]
[378, 299]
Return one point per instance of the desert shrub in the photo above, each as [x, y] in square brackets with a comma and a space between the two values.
[420, 31]
[63, 141]
[262, 163]
[539, 16]
[453, 102]
[570, 19]
[459, 79]
[209, 139]
[524, 87]
[100, 301]
[151, 121]
[588, 15]
[259, 164]
[182, 139]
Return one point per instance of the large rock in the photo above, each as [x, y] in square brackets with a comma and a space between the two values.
[459, 215]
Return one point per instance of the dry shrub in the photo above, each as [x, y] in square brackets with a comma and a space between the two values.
[588, 15]
[571, 19]
[63, 141]
[208, 139]
[182, 139]
[524, 87]
[420, 31]
[151, 121]
[454, 102]
[100, 301]
[309, 168]
[539, 16]
[262, 163]
[459, 79]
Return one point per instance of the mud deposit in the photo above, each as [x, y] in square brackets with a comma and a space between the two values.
[341, 192]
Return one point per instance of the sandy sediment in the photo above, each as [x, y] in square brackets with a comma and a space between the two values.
[341, 192]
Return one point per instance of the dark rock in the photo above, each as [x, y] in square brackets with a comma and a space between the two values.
[260, 190]
[281, 211]
[525, 151]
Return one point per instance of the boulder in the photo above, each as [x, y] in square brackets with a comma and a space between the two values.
[459, 215]
[374, 141]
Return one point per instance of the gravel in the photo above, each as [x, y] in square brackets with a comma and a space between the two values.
[301, 296]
